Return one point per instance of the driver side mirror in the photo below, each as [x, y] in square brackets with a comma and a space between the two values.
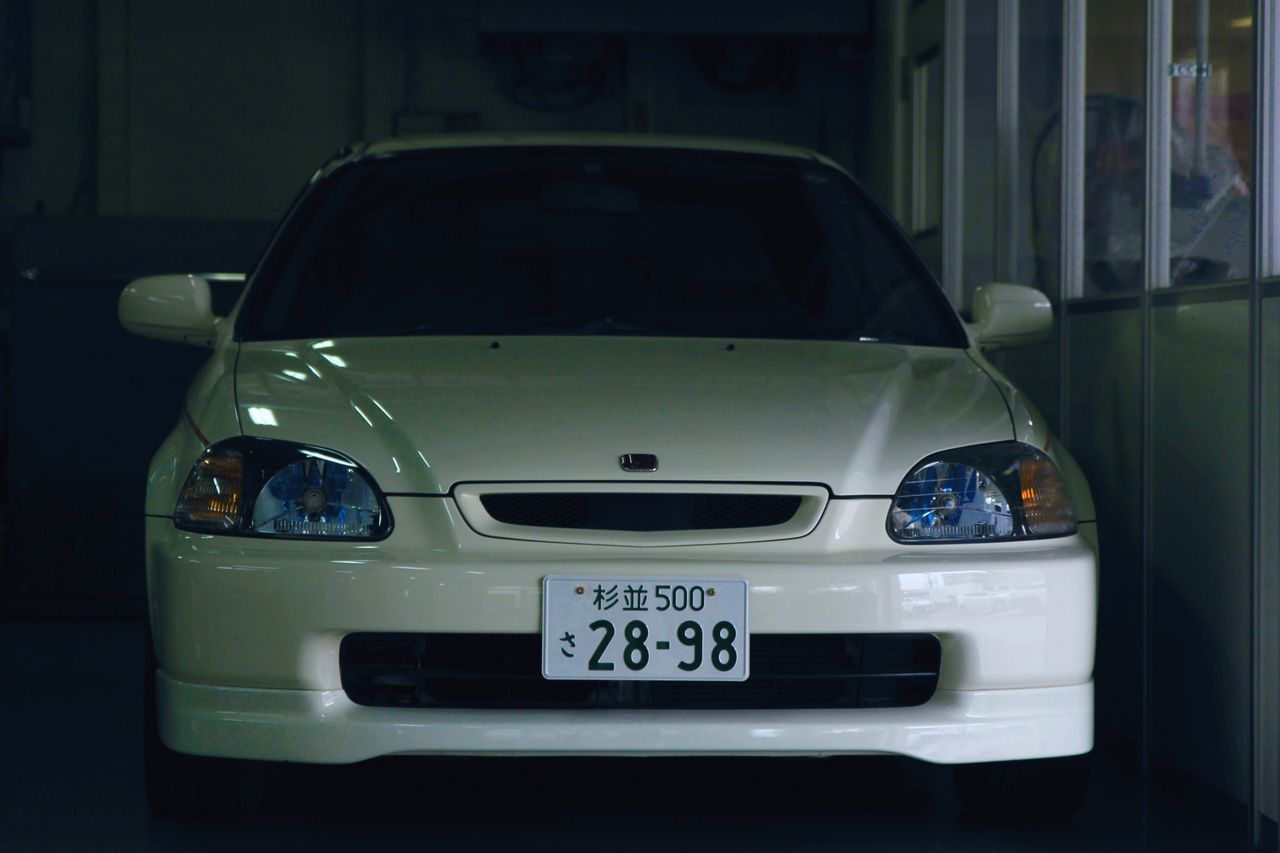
[1010, 315]
[176, 308]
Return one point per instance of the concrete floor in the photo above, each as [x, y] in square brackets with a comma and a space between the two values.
[72, 780]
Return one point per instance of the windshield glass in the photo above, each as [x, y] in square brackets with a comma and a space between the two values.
[593, 242]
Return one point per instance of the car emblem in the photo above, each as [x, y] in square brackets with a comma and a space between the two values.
[638, 462]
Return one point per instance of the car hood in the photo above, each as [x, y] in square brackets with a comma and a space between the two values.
[424, 414]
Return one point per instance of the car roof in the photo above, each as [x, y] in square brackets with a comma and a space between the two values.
[409, 144]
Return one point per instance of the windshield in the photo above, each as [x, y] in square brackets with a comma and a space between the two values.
[593, 242]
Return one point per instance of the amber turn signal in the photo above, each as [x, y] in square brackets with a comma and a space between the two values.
[214, 492]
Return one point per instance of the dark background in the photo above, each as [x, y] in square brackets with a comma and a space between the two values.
[148, 136]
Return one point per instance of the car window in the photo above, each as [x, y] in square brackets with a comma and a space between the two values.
[594, 242]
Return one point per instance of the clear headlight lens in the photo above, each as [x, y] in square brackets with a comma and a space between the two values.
[1008, 490]
[262, 487]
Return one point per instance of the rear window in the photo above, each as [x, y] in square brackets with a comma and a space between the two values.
[593, 242]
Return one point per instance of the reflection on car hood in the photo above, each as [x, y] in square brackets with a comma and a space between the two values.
[423, 414]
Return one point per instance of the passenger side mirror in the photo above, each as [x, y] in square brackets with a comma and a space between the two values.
[1010, 315]
[176, 308]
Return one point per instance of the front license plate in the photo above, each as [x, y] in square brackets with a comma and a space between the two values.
[645, 629]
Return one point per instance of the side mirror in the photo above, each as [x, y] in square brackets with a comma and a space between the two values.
[174, 308]
[1010, 315]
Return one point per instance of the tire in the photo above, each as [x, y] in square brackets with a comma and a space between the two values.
[186, 787]
[1040, 791]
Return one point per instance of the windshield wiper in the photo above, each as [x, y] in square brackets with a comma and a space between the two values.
[545, 324]
[575, 325]
[868, 336]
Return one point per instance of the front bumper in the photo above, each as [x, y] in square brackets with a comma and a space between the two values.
[324, 726]
[247, 632]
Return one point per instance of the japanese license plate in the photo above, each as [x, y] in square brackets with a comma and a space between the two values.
[646, 629]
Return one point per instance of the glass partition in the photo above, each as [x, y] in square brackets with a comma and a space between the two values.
[1211, 141]
[1039, 115]
[1115, 140]
[1199, 549]
[1035, 369]
[1114, 157]
[1270, 557]
[979, 148]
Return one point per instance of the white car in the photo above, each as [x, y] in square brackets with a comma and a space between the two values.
[987, 601]
[606, 446]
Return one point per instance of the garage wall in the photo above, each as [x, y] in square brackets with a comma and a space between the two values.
[979, 148]
[1201, 594]
[1147, 374]
[886, 135]
[88, 403]
[54, 172]
[222, 109]
[1198, 631]
[1270, 541]
[1105, 367]
[225, 107]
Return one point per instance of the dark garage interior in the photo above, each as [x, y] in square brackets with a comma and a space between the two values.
[1121, 157]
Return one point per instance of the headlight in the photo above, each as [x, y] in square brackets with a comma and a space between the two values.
[1008, 490]
[262, 487]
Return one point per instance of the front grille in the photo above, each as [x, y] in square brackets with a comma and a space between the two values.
[640, 511]
[505, 671]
